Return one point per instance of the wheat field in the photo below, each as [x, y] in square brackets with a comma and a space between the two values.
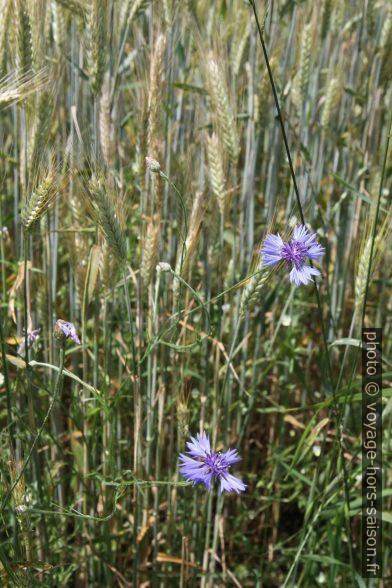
[149, 150]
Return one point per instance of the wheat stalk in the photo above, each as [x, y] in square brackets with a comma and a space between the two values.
[24, 60]
[216, 173]
[239, 49]
[108, 219]
[301, 80]
[4, 25]
[150, 252]
[386, 28]
[363, 265]
[58, 23]
[106, 127]
[326, 17]
[40, 26]
[14, 88]
[96, 33]
[253, 288]
[41, 129]
[40, 200]
[193, 236]
[154, 142]
[138, 7]
[222, 108]
[74, 6]
[331, 102]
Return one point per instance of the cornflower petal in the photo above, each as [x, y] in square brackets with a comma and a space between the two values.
[200, 446]
[272, 249]
[302, 234]
[315, 251]
[303, 275]
[231, 483]
[231, 456]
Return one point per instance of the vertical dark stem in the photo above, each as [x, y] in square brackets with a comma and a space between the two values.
[292, 173]
[323, 330]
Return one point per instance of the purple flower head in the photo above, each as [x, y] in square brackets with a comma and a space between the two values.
[32, 336]
[209, 465]
[302, 245]
[64, 330]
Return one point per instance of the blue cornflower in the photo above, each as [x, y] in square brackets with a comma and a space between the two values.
[301, 246]
[210, 464]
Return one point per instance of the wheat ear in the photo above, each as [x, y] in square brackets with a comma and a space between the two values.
[301, 80]
[222, 108]
[150, 252]
[253, 288]
[331, 103]
[96, 32]
[16, 88]
[106, 127]
[41, 129]
[74, 6]
[108, 219]
[38, 203]
[24, 60]
[385, 36]
[215, 168]
[155, 96]
[4, 26]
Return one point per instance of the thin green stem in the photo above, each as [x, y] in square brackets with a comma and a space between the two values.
[57, 390]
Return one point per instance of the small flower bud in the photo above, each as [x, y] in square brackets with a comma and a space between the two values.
[64, 330]
[163, 267]
[153, 165]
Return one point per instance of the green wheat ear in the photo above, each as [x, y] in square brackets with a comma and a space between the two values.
[301, 80]
[222, 108]
[39, 201]
[96, 15]
[216, 170]
[253, 288]
[331, 102]
[24, 45]
[108, 219]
